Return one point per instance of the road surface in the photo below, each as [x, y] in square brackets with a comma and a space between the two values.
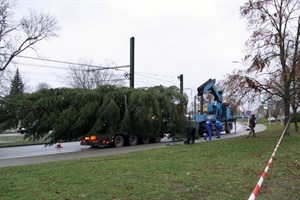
[25, 155]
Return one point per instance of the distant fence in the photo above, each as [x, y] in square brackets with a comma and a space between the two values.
[255, 192]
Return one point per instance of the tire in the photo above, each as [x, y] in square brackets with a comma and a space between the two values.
[227, 131]
[118, 141]
[145, 140]
[201, 132]
[132, 140]
[157, 139]
[228, 128]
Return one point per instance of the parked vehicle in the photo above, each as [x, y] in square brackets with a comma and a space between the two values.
[21, 130]
[142, 116]
[117, 140]
[213, 110]
[271, 119]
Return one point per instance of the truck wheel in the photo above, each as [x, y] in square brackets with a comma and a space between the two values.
[119, 141]
[145, 140]
[156, 139]
[132, 140]
[227, 130]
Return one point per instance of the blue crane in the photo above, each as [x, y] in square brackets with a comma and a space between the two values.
[216, 109]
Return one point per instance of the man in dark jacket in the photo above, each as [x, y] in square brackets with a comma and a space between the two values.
[252, 126]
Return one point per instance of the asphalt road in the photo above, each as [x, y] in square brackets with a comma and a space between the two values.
[25, 155]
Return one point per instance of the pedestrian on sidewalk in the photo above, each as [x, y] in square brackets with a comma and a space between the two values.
[252, 126]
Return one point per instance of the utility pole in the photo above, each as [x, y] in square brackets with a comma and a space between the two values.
[180, 77]
[131, 62]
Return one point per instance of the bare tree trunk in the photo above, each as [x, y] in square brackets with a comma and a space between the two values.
[287, 104]
[295, 118]
[286, 120]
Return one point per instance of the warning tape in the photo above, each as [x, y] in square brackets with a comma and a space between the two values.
[254, 194]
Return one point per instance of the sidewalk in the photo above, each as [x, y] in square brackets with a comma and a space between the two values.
[240, 131]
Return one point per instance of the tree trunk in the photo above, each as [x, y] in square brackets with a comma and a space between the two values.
[295, 119]
[287, 104]
[286, 119]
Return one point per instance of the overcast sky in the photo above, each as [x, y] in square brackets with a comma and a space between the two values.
[198, 39]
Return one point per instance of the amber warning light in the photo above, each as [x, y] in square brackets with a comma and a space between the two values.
[93, 137]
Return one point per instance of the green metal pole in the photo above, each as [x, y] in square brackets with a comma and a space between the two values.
[132, 62]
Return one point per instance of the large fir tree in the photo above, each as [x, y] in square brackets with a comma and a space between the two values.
[70, 114]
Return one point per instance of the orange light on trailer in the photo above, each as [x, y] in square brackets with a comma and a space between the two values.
[93, 137]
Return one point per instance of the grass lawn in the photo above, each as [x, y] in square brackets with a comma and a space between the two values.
[223, 169]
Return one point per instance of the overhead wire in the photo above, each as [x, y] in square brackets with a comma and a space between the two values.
[160, 75]
[56, 61]
[145, 82]
[153, 78]
[156, 78]
[71, 63]
[41, 66]
[96, 67]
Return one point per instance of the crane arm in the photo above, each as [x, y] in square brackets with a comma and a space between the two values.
[209, 85]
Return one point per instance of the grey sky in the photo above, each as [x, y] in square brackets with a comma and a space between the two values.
[198, 39]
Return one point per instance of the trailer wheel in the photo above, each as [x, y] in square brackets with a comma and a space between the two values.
[157, 139]
[132, 140]
[119, 141]
[145, 140]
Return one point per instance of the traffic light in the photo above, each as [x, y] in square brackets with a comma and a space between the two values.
[180, 77]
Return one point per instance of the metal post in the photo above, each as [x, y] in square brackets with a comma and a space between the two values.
[180, 77]
[201, 104]
[195, 107]
[132, 62]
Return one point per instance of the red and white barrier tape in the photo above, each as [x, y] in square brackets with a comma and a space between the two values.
[264, 174]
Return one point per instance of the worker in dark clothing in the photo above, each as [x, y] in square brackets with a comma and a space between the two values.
[192, 132]
[219, 128]
[252, 126]
[208, 129]
[189, 135]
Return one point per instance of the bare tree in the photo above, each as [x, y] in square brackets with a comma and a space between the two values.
[273, 47]
[16, 37]
[5, 78]
[88, 76]
[42, 85]
[237, 91]
[295, 101]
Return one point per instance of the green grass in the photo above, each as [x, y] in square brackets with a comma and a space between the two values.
[223, 169]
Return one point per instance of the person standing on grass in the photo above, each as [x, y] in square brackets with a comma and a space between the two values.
[208, 129]
[219, 128]
[252, 126]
